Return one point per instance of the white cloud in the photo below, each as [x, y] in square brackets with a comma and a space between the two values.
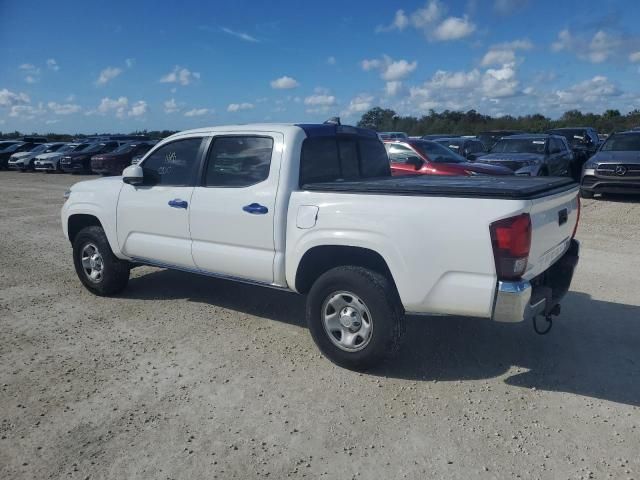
[501, 82]
[138, 109]
[505, 52]
[454, 80]
[180, 75]
[30, 79]
[52, 64]
[9, 98]
[118, 106]
[433, 22]
[597, 49]
[320, 99]
[634, 57]
[130, 62]
[27, 112]
[393, 88]
[331, 60]
[597, 89]
[30, 68]
[171, 106]
[390, 69]
[358, 104]
[241, 35]
[454, 28]
[196, 112]
[107, 75]
[400, 22]
[284, 83]
[63, 108]
[234, 107]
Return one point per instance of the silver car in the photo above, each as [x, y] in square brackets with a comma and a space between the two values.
[50, 161]
[615, 168]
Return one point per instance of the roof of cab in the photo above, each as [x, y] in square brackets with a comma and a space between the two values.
[310, 129]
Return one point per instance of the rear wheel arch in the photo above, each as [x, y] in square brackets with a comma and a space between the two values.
[318, 260]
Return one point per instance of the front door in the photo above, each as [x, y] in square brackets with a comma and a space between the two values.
[232, 211]
[153, 218]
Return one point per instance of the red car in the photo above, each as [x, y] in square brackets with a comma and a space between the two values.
[422, 157]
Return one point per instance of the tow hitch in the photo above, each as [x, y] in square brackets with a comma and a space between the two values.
[548, 317]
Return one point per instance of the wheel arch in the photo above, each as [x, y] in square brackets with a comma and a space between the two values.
[320, 259]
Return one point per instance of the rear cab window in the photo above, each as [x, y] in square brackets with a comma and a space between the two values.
[342, 157]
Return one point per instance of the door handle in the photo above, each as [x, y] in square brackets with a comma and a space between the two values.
[177, 203]
[255, 209]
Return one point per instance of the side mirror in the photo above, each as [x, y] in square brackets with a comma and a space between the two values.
[417, 162]
[133, 175]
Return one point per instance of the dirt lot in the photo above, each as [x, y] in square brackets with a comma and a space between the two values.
[189, 377]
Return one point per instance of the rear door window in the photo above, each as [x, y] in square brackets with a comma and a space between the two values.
[238, 161]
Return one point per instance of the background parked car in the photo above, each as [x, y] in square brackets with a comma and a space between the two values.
[8, 148]
[531, 154]
[435, 136]
[490, 138]
[24, 160]
[50, 162]
[80, 161]
[423, 157]
[615, 168]
[469, 148]
[113, 163]
[392, 135]
[584, 142]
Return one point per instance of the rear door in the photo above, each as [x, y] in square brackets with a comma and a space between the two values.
[153, 218]
[232, 208]
[553, 221]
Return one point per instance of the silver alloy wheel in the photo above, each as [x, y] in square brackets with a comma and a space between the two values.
[92, 263]
[347, 321]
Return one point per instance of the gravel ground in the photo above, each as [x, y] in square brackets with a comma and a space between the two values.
[189, 377]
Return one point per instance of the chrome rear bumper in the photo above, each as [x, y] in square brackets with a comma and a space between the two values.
[522, 300]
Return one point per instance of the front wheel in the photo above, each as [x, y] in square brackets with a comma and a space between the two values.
[99, 270]
[355, 317]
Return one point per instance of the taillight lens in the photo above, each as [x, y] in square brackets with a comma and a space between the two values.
[511, 241]
[575, 229]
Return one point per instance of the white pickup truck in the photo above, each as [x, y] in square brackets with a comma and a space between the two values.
[313, 208]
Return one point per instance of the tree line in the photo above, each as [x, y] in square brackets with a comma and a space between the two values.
[472, 122]
[65, 137]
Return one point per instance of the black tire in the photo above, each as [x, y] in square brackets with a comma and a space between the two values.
[543, 173]
[114, 272]
[381, 300]
[586, 193]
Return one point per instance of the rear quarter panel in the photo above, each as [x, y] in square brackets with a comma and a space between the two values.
[438, 249]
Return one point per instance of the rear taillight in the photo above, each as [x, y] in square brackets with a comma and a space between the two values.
[575, 229]
[511, 241]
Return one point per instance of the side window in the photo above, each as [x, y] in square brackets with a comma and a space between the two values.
[348, 150]
[399, 153]
[319, 161]
[110, 147]
[173, 164]
[477, 147]
[238, 161]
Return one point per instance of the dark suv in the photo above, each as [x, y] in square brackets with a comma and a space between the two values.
[81, 161]
[114, 162]
[469, 148]
[532, 154]
[490, 138]
[584, 142]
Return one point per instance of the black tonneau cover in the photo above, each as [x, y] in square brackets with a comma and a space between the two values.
[507, 187]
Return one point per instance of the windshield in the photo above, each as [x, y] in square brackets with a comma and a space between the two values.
[436, 153]
[627, 142]
[40, 148]
[93, 147]
[449, 144]
[67, 148]
[519, 145]
[126, 148]
[7, 145]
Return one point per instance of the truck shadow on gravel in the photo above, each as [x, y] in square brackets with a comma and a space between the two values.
[592, 350]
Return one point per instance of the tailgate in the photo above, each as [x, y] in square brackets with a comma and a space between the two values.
[553, 220]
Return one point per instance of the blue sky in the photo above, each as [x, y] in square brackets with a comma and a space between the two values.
[84, 67]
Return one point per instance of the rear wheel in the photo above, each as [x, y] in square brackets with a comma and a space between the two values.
[355, 317]
[99, 270]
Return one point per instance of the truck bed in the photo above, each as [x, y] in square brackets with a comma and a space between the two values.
[509, 187]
